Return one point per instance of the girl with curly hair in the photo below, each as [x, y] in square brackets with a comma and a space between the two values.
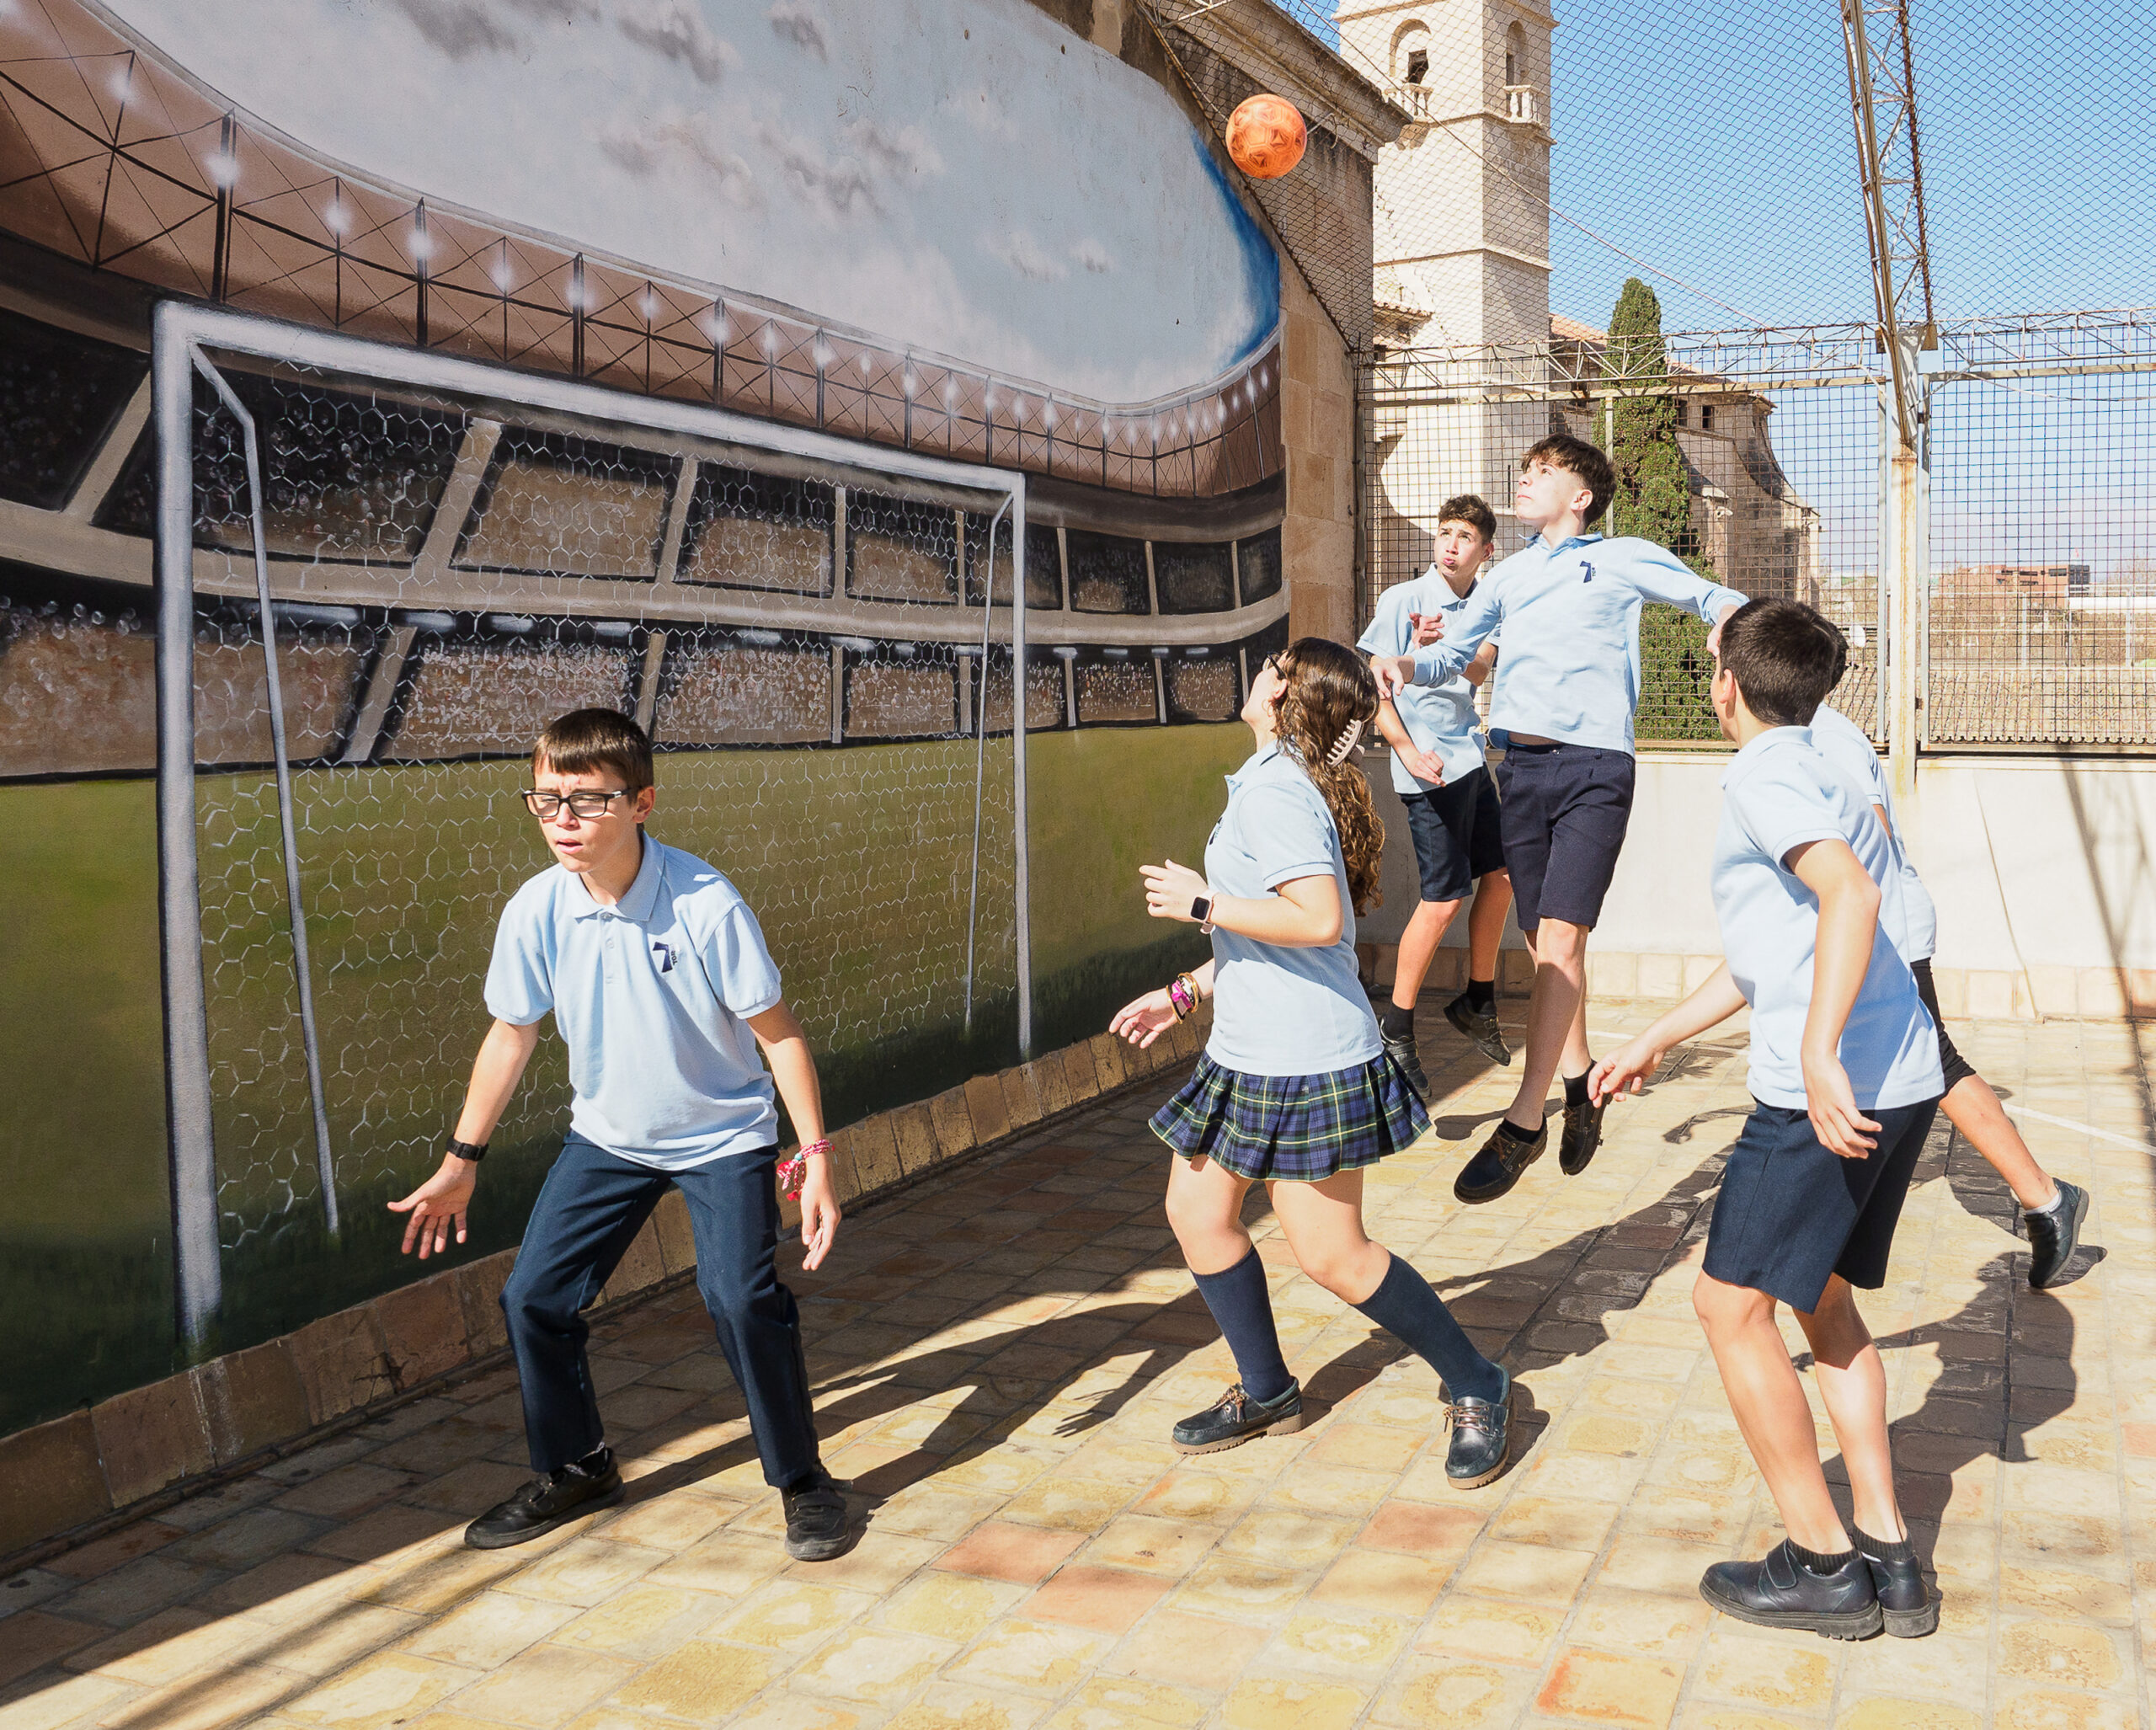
[1295, 1089]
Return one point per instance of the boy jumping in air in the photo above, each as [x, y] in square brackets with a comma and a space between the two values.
[1845, 1077]
[1566, 613]
[656, 976]
[1439, 771]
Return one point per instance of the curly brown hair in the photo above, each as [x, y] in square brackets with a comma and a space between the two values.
[1328, 690]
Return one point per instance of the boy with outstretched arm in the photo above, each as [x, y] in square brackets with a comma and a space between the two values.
[1566, 614]
[1845, 1074]
[2051, 1210]
[1439, 771]
[656, 976]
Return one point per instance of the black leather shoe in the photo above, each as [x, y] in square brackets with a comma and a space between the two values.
[2054, 1236]
[1581, 1136]
[1782, 1592]
[817, 1526]
[1904, 1600]
[1496, 1168]
[1401, 1050]
[563, 1495]
[1238, 1418]
[1481, 1438]
[1480, 1027]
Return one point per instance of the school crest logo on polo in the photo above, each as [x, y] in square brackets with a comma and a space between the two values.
[1587, 570]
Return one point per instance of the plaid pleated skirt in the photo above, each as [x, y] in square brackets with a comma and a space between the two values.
[1293, 1128]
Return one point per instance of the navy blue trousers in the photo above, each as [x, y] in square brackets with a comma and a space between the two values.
[589, 1212]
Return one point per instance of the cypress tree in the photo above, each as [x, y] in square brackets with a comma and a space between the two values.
[1651, 501]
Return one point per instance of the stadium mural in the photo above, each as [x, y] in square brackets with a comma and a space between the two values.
[671, 203]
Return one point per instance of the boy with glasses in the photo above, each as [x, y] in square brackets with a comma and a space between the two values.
[656, 976]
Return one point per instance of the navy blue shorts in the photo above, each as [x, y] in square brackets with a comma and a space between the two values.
[1455, 832]
[1565, 808]
[1956, 1068]
[1790, 1213]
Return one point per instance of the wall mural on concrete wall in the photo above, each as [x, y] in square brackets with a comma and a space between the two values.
[821, 644]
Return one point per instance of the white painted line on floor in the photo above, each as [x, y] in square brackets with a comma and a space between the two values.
[2015, 1109]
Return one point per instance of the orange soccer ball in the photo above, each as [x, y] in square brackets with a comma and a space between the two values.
[1266, 137]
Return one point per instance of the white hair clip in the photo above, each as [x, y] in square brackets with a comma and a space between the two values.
[1338, 754]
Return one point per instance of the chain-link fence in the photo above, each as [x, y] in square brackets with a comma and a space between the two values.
[2038, 611]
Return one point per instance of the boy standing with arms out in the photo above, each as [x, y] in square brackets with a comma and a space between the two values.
[1845, 1075]
[1439, 771]
[656, 976]
[2052, 1212]
[1566, 612]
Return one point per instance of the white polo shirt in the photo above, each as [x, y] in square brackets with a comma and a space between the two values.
[1440, 718]
[1844, 745]
[652, 996]
[1777, 793]
[1278, 1011]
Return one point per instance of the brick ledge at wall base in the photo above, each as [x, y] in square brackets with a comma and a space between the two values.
[2042, 993]
[68, 1482]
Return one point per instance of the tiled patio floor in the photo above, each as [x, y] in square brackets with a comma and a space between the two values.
[998, 1355]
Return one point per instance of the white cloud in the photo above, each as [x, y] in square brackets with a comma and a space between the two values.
[459, 28]
[905, 151]
[674, 29]
[839, 185]
[686, 144]
[1093, 256]
[1026, 255]
[792, 21]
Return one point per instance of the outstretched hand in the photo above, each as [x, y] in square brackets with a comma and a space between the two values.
[1394, 673]
[1428, 627]
[1144, 1019]
[442, 1200]
[1625, 1070]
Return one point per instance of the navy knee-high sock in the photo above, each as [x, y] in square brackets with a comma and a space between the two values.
[1405, 1304]
[1243, 1307]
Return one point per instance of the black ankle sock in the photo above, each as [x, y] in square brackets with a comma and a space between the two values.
[1817, 1562]
[1405, 1305]
[1243, 1308]
[1576, 1088]
[1899, 1551]
[1397, 1021]
[1513, 1132]
[1482, 996]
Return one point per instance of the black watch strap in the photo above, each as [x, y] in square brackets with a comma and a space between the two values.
[473, 1150]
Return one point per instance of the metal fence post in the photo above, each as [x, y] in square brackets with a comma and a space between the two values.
[1904, 503]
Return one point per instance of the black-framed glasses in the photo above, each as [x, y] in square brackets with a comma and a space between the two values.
[1271, 664]
[587, 802]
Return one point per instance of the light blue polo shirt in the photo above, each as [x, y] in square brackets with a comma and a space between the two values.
[1440, 718]
[1279, 1011]
[1777, 793]
[1567, 622]
[1844, 745]
[651, 997]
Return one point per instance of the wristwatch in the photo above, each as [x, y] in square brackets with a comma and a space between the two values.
[1201, 910]
[472, 1150]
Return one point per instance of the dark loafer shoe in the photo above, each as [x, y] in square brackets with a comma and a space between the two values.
[1782, 1592]
[1402, 1052]
[2054, 1236]
[1904, 1600]
[548, 1502]
[1481, 1438]
[818, 1527]
[1480, 1027]
[1496, 1168]
[1238, 1418]
[1582, 1135]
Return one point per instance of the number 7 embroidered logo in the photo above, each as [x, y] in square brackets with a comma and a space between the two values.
[1587, 571]
[664, 952]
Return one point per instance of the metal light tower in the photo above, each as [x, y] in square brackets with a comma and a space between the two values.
[1883, 99]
